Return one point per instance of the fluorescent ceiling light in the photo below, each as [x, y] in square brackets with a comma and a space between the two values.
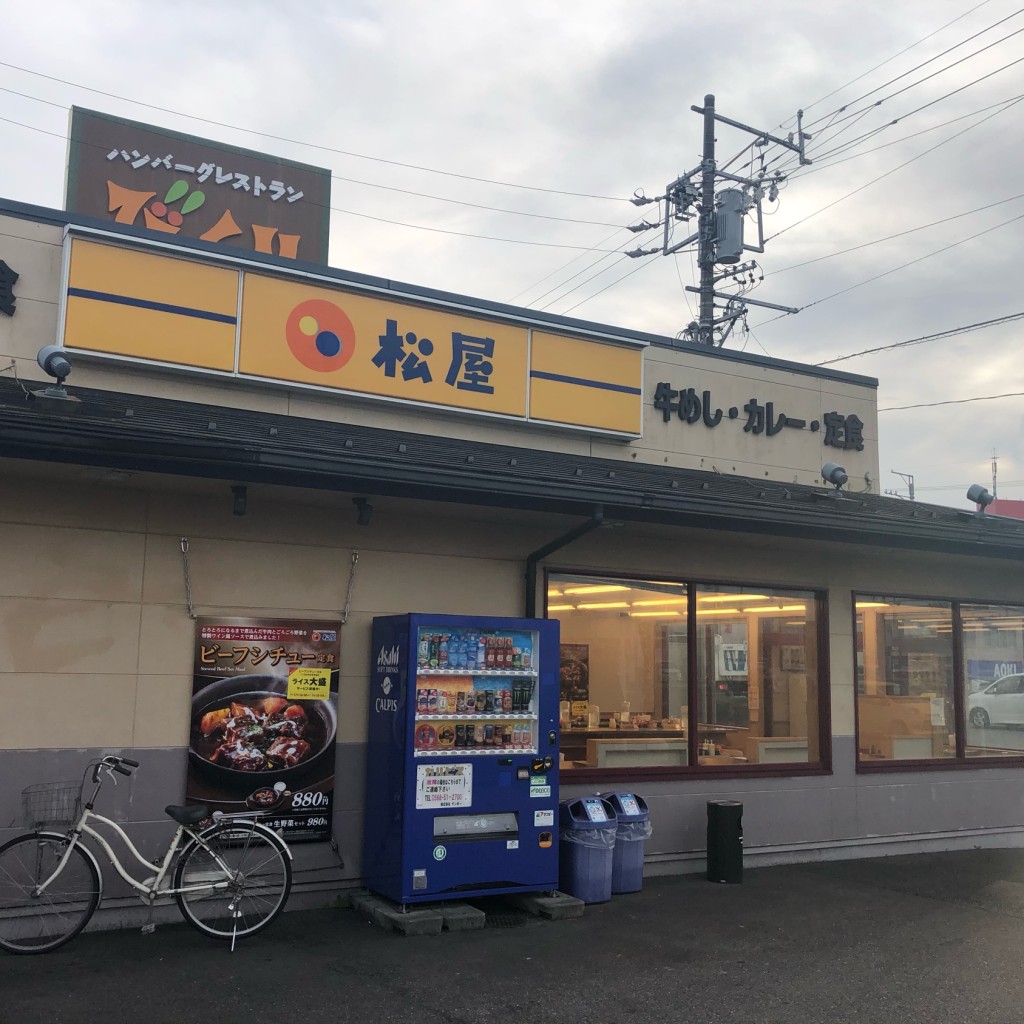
[602, 604]
[560, 607]
[647, 615]
[727, 598]
[781, 608]
[596, 589]
[718, 611]
[664, 600]
[872, 604]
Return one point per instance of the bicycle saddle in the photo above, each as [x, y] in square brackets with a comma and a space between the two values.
[187, 815]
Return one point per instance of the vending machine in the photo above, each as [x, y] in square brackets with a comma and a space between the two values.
[462, 757]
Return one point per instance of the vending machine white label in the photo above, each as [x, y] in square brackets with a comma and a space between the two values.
[443, 785]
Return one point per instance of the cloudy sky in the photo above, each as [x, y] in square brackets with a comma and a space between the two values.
[490, 149]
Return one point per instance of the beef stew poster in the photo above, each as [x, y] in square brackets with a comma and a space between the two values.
[263, 721]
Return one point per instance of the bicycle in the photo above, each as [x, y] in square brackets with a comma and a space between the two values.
[229, 879]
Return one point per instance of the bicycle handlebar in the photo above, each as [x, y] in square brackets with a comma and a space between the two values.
[112, 763]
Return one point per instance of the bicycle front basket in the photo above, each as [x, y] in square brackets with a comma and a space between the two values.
[51, 805]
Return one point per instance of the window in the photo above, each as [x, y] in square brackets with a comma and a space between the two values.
[905, 691]
[938, 681]
[993, 680]
[669, 676]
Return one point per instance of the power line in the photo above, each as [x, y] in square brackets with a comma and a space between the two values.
[910, 263]
[892, 81]
[336, 177]
[953, 401]
[892, 170]
[889, 60]
[311, 145]
[938, 336]
[399, 223]
[898, 234]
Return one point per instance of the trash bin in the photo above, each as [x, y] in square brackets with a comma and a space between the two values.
[725, 841]
[587, 843]
[632, 829]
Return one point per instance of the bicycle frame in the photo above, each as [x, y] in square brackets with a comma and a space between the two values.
[149, 891]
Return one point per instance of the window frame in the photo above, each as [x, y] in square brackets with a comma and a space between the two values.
[960, 760]
[668, 773]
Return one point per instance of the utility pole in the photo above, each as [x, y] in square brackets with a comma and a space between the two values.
[995, 459]
[720, 222]
[908, 478]
[706, 242]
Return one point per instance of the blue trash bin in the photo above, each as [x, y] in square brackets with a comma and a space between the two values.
[632, 830]
[586, 846]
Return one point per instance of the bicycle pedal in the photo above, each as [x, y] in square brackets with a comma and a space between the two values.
[148, 929]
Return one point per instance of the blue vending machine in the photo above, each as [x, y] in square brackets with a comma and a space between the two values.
[462, 757]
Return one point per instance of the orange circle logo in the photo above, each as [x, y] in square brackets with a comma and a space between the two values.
[320, 335]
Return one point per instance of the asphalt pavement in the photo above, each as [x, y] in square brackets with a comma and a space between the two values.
[897, 940]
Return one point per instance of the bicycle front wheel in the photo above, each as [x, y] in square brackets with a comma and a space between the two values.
[36, 922]
[236, 879]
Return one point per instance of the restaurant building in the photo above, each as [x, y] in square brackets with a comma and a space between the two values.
[248, 434]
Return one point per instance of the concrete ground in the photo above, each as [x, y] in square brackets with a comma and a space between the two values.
[931, 938]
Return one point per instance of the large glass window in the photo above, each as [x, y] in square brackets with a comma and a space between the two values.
[665, 675]
[938, 680]
[905, 705]
[993, 680]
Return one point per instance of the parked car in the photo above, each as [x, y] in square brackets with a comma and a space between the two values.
[999, 703]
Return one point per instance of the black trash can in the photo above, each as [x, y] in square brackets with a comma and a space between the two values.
[632, 831]
[586, 848]
[725, 841]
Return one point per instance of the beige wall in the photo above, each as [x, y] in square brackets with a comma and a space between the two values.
[96, 641]
[34, 251]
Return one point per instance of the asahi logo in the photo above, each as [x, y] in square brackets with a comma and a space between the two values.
[388, 659]
[386, 704]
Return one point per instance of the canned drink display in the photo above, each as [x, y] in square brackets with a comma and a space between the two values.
[434, 643]
[432, 701]
[506, 734]
[489, 733]
[489, 702]
[423, 652]
[442, 702]
[460, 702]
[421, 701]
[460, 734]
[481, 700]
[506, 701]
[478, 734]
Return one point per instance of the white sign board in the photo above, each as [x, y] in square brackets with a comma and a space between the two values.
[443, 785]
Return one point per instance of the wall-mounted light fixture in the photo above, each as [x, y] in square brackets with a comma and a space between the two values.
[364, 513]
[834, 474]
[239, 499]
[981, 497]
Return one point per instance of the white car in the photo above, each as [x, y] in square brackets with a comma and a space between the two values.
[999, 703]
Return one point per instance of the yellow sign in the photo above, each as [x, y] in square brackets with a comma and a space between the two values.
[309, 684]
[143, 305]
[578, 708]
[130, 303]
[317, 335]
[585, 382]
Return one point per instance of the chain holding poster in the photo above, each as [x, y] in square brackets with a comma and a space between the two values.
[264, 721]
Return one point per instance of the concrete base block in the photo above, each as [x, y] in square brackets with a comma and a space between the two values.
[461, 917]
[386, 915]
[557, 907]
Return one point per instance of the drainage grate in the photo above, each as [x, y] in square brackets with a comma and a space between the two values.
[508, 919]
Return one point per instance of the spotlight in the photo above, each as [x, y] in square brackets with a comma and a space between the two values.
[980, 496]
[834, 474]
[53, 361]
[239, 500]
[365, 511]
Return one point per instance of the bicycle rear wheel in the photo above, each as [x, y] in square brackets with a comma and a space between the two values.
[31, 923]
[253, 874]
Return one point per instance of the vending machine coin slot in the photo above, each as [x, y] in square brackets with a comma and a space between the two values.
[522, 774]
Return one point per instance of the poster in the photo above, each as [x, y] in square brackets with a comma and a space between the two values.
[263, 721]
[574, 672]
